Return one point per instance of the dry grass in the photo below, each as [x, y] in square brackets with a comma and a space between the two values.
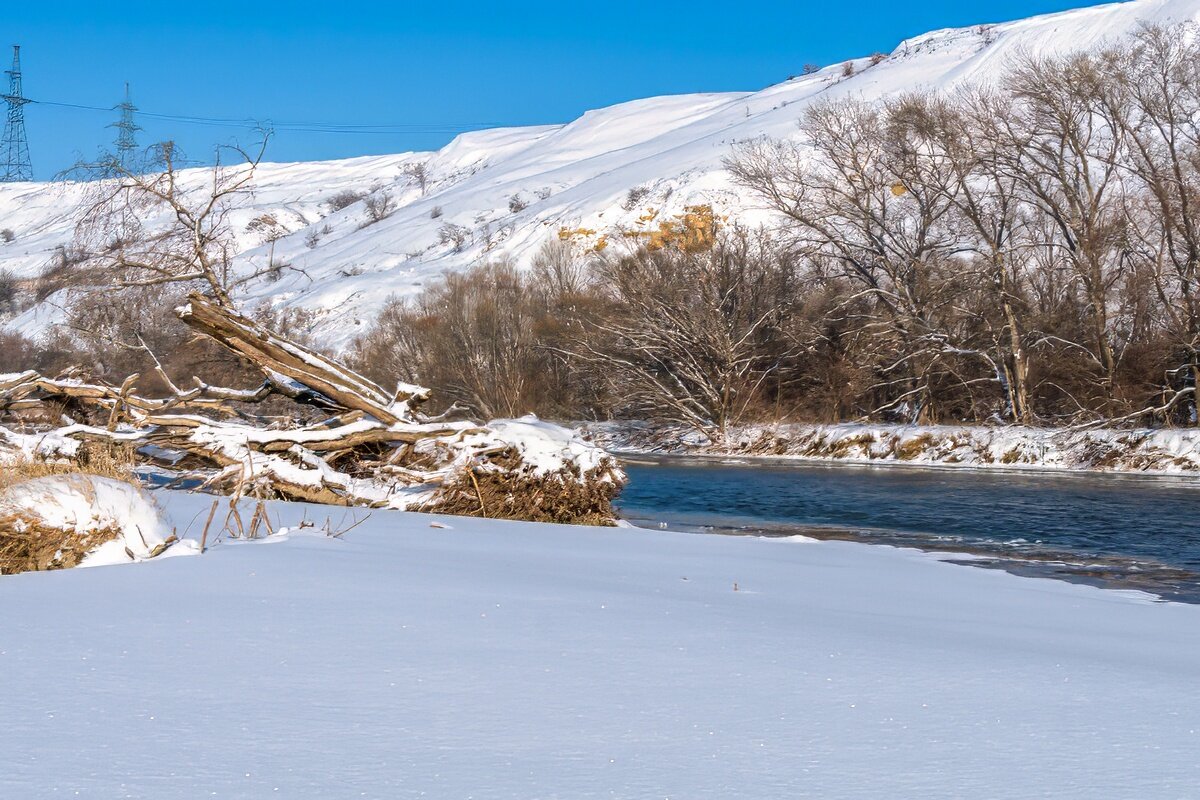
[507, 494]
[843, 447]
[28, 545]
[93, 458]
[908, 450]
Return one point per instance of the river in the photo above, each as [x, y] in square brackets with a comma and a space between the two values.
[1116, 531]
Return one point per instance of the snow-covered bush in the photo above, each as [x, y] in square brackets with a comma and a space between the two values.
[63, 521]
[538, 471]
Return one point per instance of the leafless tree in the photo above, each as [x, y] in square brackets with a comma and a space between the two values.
[418, 173]
[1064, 145]
[125, 247]
[471, 334]
[1162, 126]
[863, 192]
[692, 337]
[379, 206]
[454, 234]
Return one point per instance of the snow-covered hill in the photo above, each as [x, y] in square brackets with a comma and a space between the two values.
[509, 190]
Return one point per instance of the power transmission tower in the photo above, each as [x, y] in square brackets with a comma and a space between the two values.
[126, 144]
[16, 165]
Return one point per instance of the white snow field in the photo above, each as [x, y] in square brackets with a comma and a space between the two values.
[573, 178]
[489, 659]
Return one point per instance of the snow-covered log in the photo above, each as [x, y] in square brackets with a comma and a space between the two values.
[288, 365]
[376, 449]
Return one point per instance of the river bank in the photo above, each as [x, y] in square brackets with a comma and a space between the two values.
[1150, 451]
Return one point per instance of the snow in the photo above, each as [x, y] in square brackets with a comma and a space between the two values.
[16, 446]
[426, 657]
[573, 176]
[87, 502]
[1016, 447]
[548, 448]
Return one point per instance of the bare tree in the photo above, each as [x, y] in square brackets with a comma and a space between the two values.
[692, 337]
[1163, 130]
[863, 192]
[984, 195]
[195, 246]
[379, 207]
[1064, 145]
[472, 334]
[418, 173]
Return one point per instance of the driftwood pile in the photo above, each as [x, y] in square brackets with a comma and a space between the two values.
[371, 448]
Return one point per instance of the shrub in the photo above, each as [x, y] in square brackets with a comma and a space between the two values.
[455, 235]
[847, 69]
[7, 235]
[379, 206]
[634, 197]
[9, 289]
[418, 173]
[344, 199]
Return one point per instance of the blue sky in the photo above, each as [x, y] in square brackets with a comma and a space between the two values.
[432, 65]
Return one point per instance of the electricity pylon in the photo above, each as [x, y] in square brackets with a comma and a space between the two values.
[126, 143]
[14, 150]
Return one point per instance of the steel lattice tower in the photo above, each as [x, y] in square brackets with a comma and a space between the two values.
[126, 144]
[15, 165]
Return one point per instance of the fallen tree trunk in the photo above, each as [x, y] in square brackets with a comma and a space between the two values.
[336, 385]
[376, 449]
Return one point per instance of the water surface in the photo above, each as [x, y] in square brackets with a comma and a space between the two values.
[1111, 530]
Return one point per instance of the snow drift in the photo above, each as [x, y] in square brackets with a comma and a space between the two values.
[454, 658]
[78, 520]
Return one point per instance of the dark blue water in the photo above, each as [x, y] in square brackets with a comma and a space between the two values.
[1109, 530]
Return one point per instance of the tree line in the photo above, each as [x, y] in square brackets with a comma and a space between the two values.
[1026, 251]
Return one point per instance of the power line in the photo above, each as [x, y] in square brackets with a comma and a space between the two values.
[297, 126]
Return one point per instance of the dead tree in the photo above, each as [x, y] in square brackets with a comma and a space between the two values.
[160, 225]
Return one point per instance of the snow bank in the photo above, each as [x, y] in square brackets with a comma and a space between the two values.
[46, 446]
[512, 660]
[87, 504]
[1166, 451]
[549, 449]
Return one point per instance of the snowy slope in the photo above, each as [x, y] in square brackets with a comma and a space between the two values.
[572, 176]
[512, 660]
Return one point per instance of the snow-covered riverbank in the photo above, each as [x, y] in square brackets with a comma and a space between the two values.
[1158, 451]
[513, 660]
